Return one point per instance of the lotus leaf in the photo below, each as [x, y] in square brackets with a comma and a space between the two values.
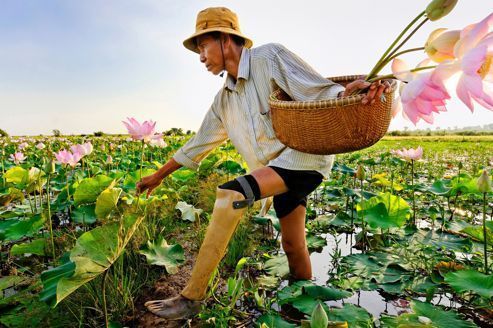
[18, 176]
[277, 266]
[471, 280]
[384, 211]
[274, 320]
[423, 311]
[94, 252]
[106, 202]
[84, 214]
[36, 247]
[160, 253]
[188, 212]
[89, 189]
[14, 229]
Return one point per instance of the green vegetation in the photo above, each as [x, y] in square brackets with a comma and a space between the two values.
[78, 248]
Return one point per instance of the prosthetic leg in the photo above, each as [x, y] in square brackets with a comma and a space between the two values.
[228, 210]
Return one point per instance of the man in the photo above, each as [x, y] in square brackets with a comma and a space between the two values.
[240, 112]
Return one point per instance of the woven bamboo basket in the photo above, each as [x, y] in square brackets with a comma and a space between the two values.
[331, 126]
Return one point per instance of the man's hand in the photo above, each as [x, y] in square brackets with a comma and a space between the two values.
[375, 89]
[148, 183]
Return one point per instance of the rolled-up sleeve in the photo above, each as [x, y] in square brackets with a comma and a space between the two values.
[299, 80]
[210, 135]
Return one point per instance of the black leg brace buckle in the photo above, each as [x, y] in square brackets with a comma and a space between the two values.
[250, 197]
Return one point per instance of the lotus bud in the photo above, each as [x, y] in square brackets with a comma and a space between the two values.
[360, 173]
[484, 182]
[440, 44]
[49, 166]
[439, 8]
[319, 317]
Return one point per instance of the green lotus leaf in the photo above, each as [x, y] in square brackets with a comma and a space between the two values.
[384, 211]
[10, 281]
[270, 216]
[476, 232]
[37, 179]
[315, 242]
[277, 266]
[324, 293]
[188, 212]
[426, 315]
[52, 277]
[84, 214]
[231, 167]
[440, 187]
[131, 179]
[343, 169]
[36, 247]
[10, 195]
[354, 315]
[106, 202]
[94, 252]
[18, 176]
[160, 253]
[273, 320]
[14, 229]
[307, 304]
[289, 293]
[442, 240]
[183, 175]
[89, 189]
[471, 280]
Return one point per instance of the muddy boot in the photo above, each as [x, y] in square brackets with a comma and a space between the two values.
[174, 308]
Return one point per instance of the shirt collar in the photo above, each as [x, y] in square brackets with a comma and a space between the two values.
[243, 70]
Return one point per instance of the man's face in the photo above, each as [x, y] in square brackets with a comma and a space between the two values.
[210, 53]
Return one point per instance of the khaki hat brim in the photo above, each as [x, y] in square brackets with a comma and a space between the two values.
[190, 44]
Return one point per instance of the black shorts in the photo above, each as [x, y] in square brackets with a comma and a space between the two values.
[300, 183]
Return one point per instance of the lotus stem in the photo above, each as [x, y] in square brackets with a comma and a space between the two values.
[485, 244]
[103, 287]
[387, 59]
[49, 217]
[374, 70]
[412, 186]
[391, 57]
[392, 76]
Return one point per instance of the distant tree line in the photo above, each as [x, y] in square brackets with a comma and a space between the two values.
[484, 130]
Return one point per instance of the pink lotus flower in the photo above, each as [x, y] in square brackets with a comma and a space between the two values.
[40, 146]
[409, 154]
[474, 52]
[67, 157]
[424, 93]
[144, 131]
[23, 145]
[109, 159]
[17, 158]
[158, 142]
[440, 44]
[83, 149]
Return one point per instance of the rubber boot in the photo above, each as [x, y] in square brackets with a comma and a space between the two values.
[223, 224]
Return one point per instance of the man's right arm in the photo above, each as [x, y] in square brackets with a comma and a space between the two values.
[152, 181]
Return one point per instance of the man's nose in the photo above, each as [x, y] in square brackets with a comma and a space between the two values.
[202, 57]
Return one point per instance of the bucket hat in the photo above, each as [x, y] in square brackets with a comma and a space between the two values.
[216, 19]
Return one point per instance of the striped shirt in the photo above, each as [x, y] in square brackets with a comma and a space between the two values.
[240, 111]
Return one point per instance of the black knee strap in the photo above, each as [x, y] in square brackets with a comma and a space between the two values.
[247, 186]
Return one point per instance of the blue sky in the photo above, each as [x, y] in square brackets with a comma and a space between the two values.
[84, 66]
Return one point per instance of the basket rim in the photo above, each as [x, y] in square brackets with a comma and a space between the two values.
[334, 102]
